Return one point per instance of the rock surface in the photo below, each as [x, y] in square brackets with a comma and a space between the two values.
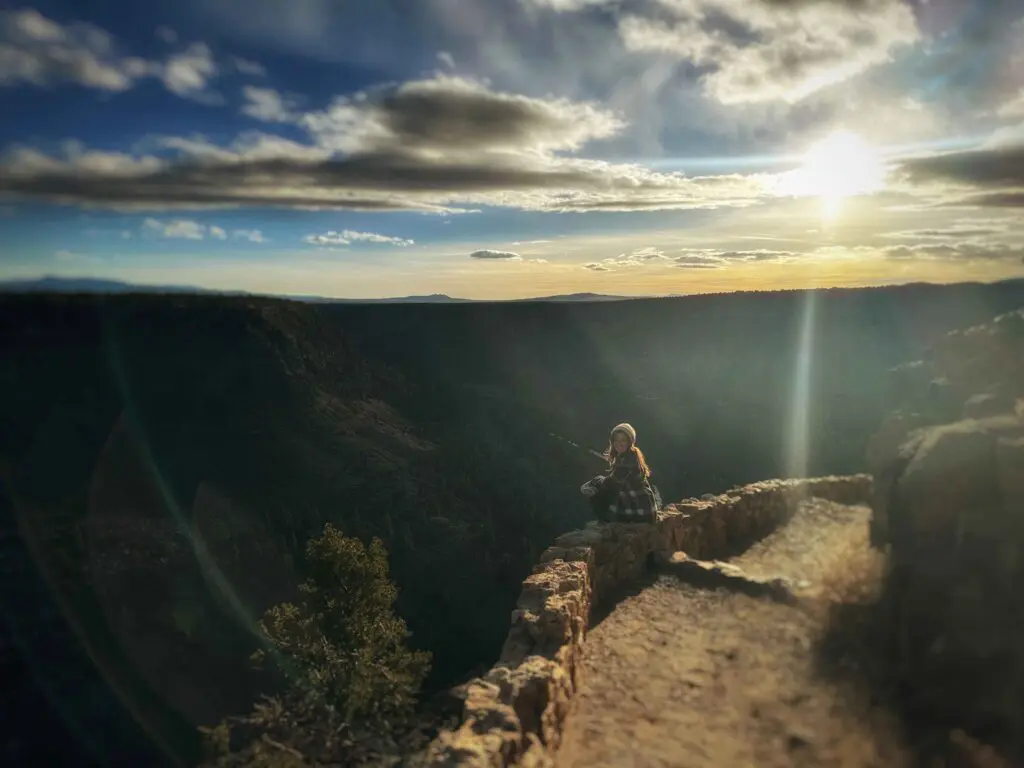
[949, 505]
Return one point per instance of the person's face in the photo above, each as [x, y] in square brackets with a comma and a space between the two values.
[620, 442]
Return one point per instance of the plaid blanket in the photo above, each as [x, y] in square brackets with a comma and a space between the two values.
[623, 494]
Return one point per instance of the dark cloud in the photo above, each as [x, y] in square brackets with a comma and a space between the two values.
[955, 252]
[361, 181]
[993, 167]
[486, 253]
[994, 200]
[449, 113]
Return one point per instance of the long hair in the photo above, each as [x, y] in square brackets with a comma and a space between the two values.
[610, 455]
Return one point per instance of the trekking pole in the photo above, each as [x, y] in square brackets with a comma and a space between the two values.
[577, 445]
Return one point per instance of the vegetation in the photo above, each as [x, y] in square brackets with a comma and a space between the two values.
[352, 682]
[164, 459]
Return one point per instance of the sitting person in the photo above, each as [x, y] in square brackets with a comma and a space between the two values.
[624, 492]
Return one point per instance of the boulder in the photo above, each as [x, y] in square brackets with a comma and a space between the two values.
[988, 404]
[951, 471]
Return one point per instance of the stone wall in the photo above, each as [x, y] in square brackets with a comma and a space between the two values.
[514, 714]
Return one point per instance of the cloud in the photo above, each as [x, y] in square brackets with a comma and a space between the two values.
[434, 146]
[252, 235]
[639, 257]
[770, 50]
[457, 114]
[966, 229]
[446, 58]
[990, 176]
[373, 237]
[37, 51]
[689, 258]
[167, 34]
[246, 67]
[487, 253]
[267, 104]
[187, 74]
[965, 251]
[348, 236]
[179, 228]
[998, 166]
[218, 233]
[563, 6]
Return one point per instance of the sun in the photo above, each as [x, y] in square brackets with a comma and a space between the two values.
[833, 169]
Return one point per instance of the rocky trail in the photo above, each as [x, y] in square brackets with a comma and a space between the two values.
[719, 664]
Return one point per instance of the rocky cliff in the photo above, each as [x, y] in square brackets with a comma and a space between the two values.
[949, 507]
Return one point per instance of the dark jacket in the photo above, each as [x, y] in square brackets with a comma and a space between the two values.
[624, 493]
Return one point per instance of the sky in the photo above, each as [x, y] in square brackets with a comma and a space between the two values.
[496, 149]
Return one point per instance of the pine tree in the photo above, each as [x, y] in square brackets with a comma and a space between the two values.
[343, 652]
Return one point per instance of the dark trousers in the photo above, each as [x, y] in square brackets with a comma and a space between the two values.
[599, 504]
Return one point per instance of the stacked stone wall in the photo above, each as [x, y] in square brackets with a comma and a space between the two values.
[514, 714]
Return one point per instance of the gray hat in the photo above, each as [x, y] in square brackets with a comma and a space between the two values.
[627, 429]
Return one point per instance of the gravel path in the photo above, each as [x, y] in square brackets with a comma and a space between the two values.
[684, 677]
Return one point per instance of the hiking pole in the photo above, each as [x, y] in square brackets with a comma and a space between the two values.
[577, 445]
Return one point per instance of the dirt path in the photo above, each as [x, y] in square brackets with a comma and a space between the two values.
[686, 677]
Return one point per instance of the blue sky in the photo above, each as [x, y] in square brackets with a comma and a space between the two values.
[505, 148]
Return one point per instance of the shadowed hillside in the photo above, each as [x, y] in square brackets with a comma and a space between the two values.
[165, 459]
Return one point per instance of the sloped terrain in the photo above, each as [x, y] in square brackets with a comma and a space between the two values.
[685, 676]
[164, 459]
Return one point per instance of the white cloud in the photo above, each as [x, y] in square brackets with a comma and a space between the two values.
[188, 230]
[348, 236]
[447, 59]
[267, 104]
[246, 67]
[326, 239]
[758, 51]
[1012, 107]
[373, 237]
[687, 258]
[252, 235]
[177, 229]
[38, 51]
[218, 233]
[187, 74]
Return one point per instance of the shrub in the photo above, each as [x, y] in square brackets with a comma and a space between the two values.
[351, 678]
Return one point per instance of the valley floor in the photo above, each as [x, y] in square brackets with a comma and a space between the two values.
[691, 678]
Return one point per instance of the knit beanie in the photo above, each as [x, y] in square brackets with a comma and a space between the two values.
[627, 429]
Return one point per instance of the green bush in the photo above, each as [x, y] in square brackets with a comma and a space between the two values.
[351, 678]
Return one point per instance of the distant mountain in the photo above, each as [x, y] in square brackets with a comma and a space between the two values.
[580, 297]
[433, 298]
[54, 284]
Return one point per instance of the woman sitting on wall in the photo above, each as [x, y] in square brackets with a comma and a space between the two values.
[624, 492]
